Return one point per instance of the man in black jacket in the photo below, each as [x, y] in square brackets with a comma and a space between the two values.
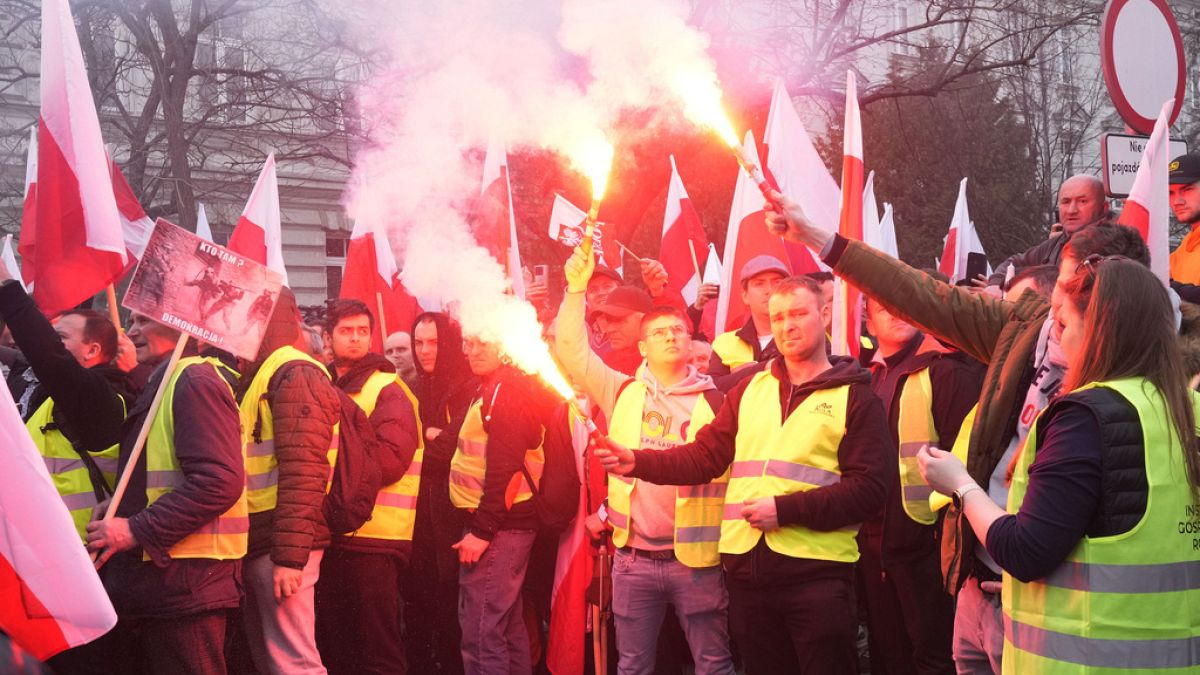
[806, 442]
[75, 411]
[358, 593]
[171, 557]
[927, 390]
[499, 454]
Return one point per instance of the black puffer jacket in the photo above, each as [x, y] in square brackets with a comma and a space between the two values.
[304, 408]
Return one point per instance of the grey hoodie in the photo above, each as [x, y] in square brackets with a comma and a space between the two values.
[665, 418]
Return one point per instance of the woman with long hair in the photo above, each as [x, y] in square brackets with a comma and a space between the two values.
[1101, 542]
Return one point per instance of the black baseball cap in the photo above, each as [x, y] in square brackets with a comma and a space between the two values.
[624, 301]
[602, 271]
[1185, 169]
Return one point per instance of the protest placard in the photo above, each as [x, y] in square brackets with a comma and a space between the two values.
[204, 290]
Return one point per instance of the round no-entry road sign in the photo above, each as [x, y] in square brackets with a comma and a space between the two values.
[1141, 55]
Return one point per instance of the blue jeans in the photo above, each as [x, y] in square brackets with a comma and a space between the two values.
[978, 631]
[490, 610]
[642, 589]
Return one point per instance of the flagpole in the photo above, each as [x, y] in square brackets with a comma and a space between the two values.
[382, 322]
[144, 432]
[695, 262]
[114, 312]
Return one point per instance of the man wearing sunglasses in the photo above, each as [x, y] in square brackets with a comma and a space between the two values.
[666, 536]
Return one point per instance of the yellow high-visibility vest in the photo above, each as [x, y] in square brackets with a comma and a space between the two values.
[698, 508]
[395, 509]
[222, 538]
[733, 350]
[67, 470]
[258, 432]
[468, 467]
[916, 428]
[1126, 603]
[774, 457]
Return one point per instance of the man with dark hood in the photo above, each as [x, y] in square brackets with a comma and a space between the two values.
[288, 411]
[444, 388]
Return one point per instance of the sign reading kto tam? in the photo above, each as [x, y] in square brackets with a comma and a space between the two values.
[1141, 55]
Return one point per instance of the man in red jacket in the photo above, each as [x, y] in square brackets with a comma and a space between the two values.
[358, 594]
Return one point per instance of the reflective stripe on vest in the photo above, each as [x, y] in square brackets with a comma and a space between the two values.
[468, 467]
[1124, 603]
[733, 350]
[258, 432]
[774, 457]
[916, 428]
[222, 538]
[67, 471]
[937, 500]
[395, 510]
[697, 507]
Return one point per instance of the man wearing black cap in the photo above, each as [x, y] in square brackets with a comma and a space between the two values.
[1185, 202]
[604, 281]
[752, 343]
[619, 319]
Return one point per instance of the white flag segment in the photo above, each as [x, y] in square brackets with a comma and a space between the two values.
[68, 115]
[10, 260]
[498, 231]
[1147, 207]
[887, 233]
[258, 234]
[870, 213]
[31, 161]
[712, 268]
[684, 244]
[793, 162]
[203, 230]
[50, 596]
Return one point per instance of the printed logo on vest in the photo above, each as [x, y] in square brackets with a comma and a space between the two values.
[825, 409]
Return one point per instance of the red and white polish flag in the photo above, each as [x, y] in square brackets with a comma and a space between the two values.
[258, 234]
[1147, 206]
[73, 246]
[492, 220]
[847, 319]
[135, 224]
[372, 276]
[792, 165]
[50, 596]
[961, 240]
[684, 248]
[572, 574]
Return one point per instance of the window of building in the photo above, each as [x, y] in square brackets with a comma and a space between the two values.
[335, 244]
[333, 281]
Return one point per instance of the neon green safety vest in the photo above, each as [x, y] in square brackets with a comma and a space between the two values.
[1127, 603]
[697, 507]
[468, 467]
[780, 458]
[395, 509]
[916, 428]
[67, 470]
[733, 350]
[258, 432]
[222, 538]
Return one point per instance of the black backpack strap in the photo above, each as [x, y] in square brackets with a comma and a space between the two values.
[100, 486]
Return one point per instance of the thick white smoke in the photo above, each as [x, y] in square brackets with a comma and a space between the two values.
[535, 73]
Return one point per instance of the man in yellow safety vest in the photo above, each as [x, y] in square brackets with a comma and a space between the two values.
[805, 441]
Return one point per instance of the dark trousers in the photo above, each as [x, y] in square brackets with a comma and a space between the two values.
[189, 645]
[910, 619]
[431, 630]
[358, 613]
[801, 627]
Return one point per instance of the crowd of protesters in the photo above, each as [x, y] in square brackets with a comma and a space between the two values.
[1005, 479]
